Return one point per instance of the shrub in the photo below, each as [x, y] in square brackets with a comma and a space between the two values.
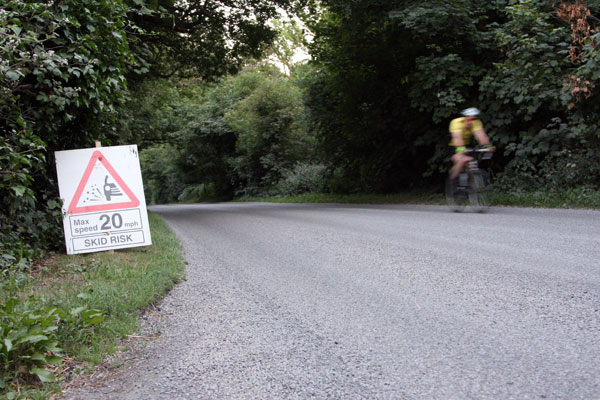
[22, 228]
[303, 178]
[29, 337]
[162, 180]
[62, 68]
[27, 341]
[199, 192]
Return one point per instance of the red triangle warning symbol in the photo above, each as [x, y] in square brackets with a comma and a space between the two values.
[101, 189]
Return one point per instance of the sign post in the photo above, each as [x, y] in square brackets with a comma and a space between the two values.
[103, 199]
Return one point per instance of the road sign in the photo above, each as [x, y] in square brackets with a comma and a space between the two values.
[103, 199]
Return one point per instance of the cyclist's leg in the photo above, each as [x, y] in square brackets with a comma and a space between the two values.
[459, 160]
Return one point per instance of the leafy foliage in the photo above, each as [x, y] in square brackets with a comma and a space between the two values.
[529, 104]
[28, 341]
[63, 64]
[206, 39]
[246, 131]
[241, 136]
[207, 143]
[196, 193]
[29, 337]
[377, 63]
[270, 134]
[391, 75]
[302, 178]
[61, 77]
[289, 41]
[21, 225]
[156, 108]
[162, 182]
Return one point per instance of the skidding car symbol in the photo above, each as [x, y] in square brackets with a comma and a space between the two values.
[110, 189]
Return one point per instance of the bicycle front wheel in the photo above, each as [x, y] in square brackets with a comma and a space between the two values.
[478, 191]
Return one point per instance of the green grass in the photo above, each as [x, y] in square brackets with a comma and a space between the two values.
[399, 198]
[121, 285]
[572, 198]
[48, 391]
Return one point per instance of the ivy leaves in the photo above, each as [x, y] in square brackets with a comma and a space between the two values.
[62, 75]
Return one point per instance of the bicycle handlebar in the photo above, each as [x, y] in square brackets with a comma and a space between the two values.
[488, 153]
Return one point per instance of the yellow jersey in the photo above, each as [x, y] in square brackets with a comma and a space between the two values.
[459, 125]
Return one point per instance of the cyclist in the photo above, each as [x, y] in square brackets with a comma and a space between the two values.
[462, 130]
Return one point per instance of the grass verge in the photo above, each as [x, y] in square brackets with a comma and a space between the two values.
[572, 198]
[121, 285]
[398, 198]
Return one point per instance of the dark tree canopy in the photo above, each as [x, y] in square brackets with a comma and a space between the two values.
[206, 39]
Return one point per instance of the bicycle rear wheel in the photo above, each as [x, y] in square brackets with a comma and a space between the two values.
[456, 197]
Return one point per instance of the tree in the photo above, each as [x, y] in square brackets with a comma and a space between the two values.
[206, 39]
[158, 108]
[392, 74]
[290, 40]
[162, 179]
[271, 136]
[241, 136]
[531, 104]
[207, 142]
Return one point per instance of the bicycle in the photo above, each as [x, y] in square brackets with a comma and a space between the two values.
[473, 185]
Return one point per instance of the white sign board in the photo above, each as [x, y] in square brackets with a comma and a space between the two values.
[103, 199]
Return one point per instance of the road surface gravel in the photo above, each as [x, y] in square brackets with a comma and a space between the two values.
[292, 301]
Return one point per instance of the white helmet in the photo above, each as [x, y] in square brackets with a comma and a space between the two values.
[470, 112]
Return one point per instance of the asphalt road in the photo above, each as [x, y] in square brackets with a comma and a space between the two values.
[375, 302]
